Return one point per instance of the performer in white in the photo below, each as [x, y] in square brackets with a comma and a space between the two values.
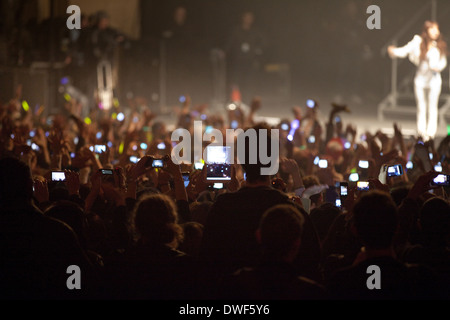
[428, 52]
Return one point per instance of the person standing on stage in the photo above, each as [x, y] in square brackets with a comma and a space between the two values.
[429, 53]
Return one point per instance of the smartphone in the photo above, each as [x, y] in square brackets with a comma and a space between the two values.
[58, 176]
[343, 186]
[198, 165]
[98, 148]
[107, 175]
[234, 124]
[323, 163]
[186, 179]
[363, 164]
[438, 167]
[312, 139]
[134, 159]
[395, 170]
[158, 163]
[441, 180]
[218, 171]
[316, 160]
[362, 185]
[338, 203]
[218, 155]
[409, 165]
[161, 146]
[353, 177]
[218, 186]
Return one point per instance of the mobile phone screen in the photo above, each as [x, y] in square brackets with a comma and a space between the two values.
[58, 176]
[218, 155]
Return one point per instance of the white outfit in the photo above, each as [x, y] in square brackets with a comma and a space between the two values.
[427, 84]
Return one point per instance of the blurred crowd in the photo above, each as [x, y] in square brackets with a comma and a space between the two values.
[82, 190]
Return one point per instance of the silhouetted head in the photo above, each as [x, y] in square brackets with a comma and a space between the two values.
[71, 214]
[155, 221]
[280, 231]
[375, 217]
[16, 182]
[435, 218]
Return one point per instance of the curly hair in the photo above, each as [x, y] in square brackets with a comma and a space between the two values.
[155, 220]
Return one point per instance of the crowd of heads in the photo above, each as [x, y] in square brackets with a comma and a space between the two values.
[169, 232]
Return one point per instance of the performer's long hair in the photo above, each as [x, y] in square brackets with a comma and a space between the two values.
[441, 45]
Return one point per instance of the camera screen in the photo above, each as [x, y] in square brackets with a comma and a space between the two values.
[344, 190]
[58, 176]
[441, 179]
[323, 164]
[394, 171]
[338, 203]
[363, 185]
[158, 164]
[364, 164]
[218, 171]
[353, 177]
[198, 166]
[99, 148]
[162, 146]
[134, 159]
[218, 186]
[107, 172]
[218, 155]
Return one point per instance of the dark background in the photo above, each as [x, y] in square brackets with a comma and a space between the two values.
[325, 43]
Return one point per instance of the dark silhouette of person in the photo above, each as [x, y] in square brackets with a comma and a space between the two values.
[375, 223]
[432, 248]
[153, 268]
[228, 239]
[35, 250]
[275, 278]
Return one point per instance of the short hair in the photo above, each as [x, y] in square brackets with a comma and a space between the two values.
[73, 215]
[309, 181]
[253, 171]
[15, 179]
[375, 218]
[280, 226]
[435, 217]
[156, 219]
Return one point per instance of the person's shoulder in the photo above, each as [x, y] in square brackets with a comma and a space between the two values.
[417, 38]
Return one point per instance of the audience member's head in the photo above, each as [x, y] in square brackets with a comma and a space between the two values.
[192, 238]
[310, 181]
[71, 214]
[375, 218]
[399, 193]
[155, 221]
[435, 218]
[252, 149]
[15, 180]
[279, 233]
